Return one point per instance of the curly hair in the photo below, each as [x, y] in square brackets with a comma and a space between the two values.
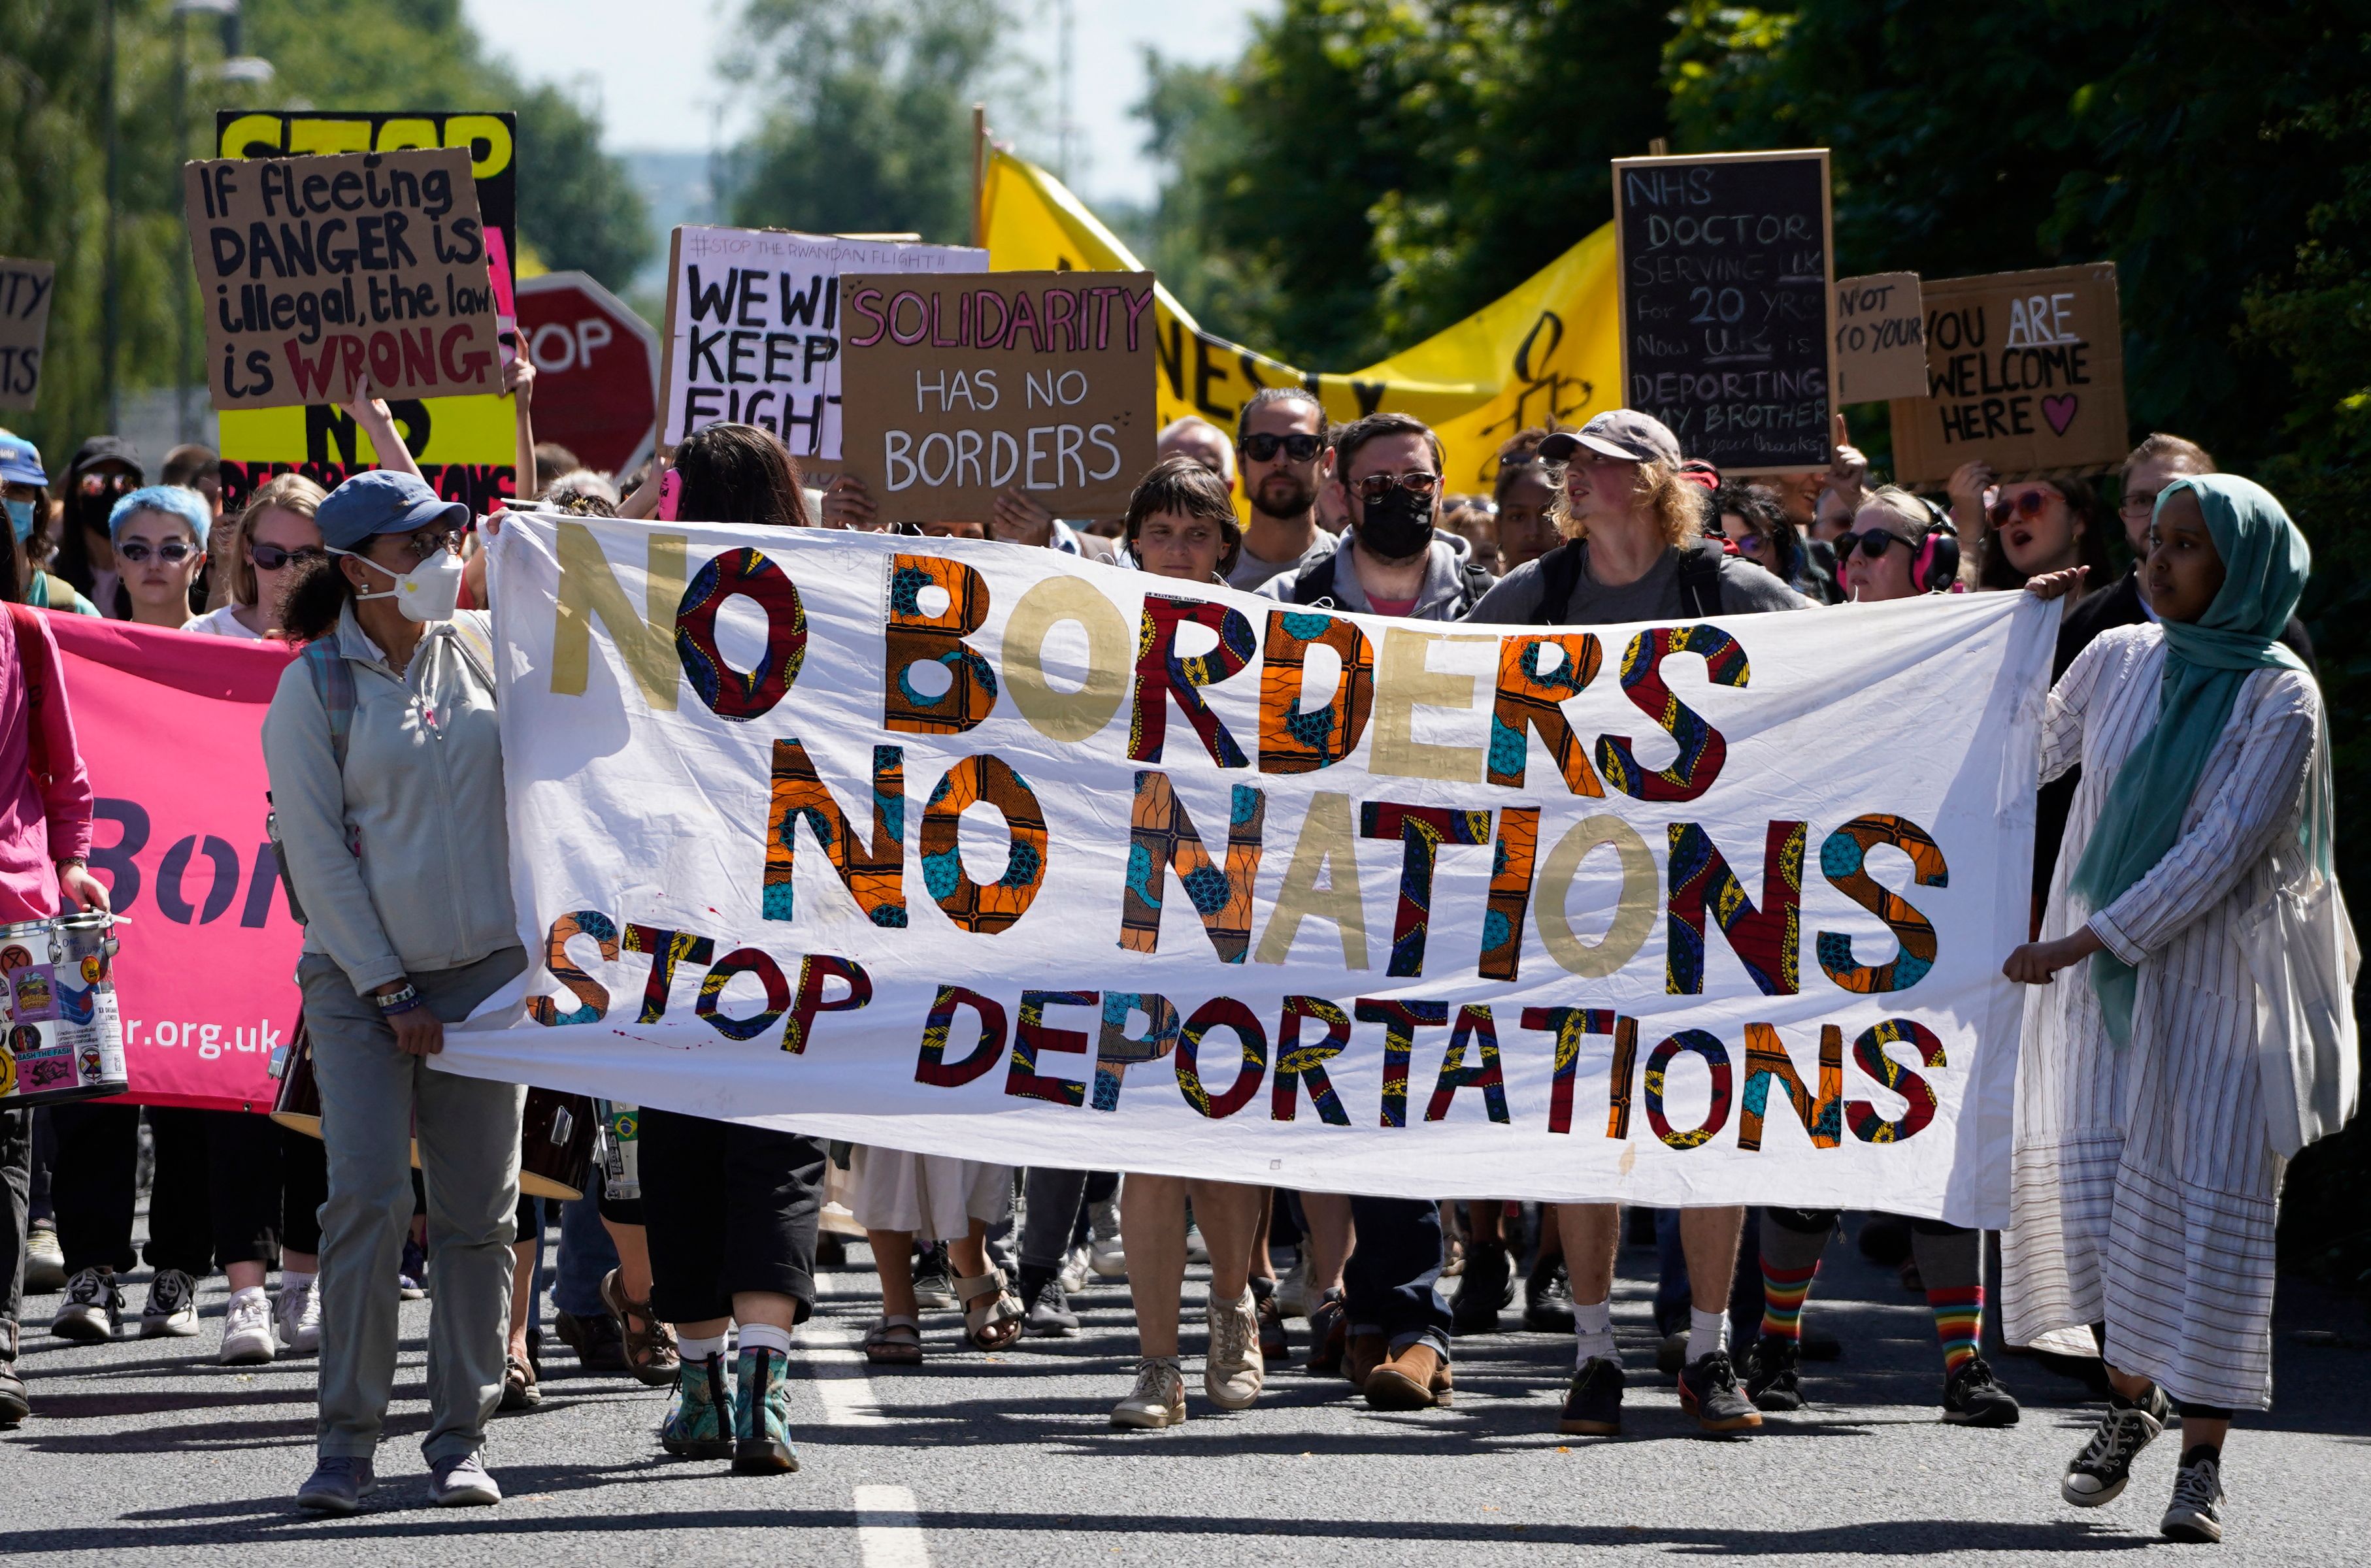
[1662, 491]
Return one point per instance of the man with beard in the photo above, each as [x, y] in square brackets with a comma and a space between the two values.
[1280, 441]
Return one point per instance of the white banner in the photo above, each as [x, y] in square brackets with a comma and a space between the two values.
[959, 846]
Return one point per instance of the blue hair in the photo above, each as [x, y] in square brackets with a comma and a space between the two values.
[174, 501]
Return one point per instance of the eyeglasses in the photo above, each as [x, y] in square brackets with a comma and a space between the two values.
[429, 542]
[107, 484]
[173, 552]
[1375, 487]
[1300, 446]
[2137, 504]
[2025, 504]
[1872, 542]
[1751, 544]
[272, 557]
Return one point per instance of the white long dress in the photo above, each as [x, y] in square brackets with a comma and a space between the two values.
[935, 1196]
[2145, 1184]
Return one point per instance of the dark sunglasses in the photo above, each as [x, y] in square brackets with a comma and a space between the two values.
[1374, 487]
[1871, 542]
[172, 551]
[1300, 446]
[2025, 504]
[107, 484]
[272, 557]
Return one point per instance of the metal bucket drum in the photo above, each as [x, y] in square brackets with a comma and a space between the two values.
[622, 1144]
[62, 1038]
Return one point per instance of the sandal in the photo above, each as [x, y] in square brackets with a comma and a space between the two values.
[519, 1388]
[992, 1315]
[649, 1344]
[895, 1342]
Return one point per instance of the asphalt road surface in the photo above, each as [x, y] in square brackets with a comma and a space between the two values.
[150, 1452]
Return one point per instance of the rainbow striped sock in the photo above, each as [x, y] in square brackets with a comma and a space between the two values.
[1783, 1293]
[1959, 1323]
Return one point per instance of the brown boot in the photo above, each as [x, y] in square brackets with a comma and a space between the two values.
[1416, 1379]
[1364, 1354]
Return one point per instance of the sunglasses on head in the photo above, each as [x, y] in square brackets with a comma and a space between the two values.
[2025, 504]
[172, 551]
[1301, 446]
[1871, 542]
[1375, 487]
[272, 557]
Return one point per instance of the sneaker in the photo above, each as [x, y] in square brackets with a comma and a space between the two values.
[411, 1274]
[337, 1485]
[1414, 1378]
[1274, 1342]
[1197, 1250]
[14, 1404]
[1078, 1266]
[699, 1416]
[1159, 1398]
[2098, 1473]
[1105, 1254]
[1671, 1353]
[1487, 1284]
[1329, 1324]
[598, 1345]
[1974, 1397]
[247, 1339]
[296, 1313]
[461, 1481]
[172, 1309]
[1773, 1374]
[761, 1416]
[1049, 1314]
[2197, 1491]
[934, 1278]
[1547, 1302]
[1234, 1370]
[45, 1261]
[1592, 1406]
[93, 1309]
[1709, 1391]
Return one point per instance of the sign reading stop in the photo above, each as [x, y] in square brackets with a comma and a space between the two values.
[596, 370]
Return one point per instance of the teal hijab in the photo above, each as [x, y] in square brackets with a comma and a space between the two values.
[2265, 564]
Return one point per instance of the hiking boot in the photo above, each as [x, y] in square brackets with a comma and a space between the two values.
[1974, 1397]
[1361, 1354]
[1487, 1284]
[1159, 1398]
[93, 1309]
[1415, 1377]
[1592, 1406]
[1709, 1391]
[1328, 1335]
[699, 1419]
[1234, 1370]
[1049, 1314]
[2098, 1473]
[2196, 1515]
[761, 1416]
[172, 1309]
[1547, 1302]
[1774, 1374]
[337, 1485]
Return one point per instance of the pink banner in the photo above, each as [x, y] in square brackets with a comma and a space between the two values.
[170, 726]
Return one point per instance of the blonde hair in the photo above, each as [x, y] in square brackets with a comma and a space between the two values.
[1906, 508]
[289, 493]
[1671, 499]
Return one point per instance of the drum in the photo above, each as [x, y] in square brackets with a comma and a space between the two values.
[63, 1038]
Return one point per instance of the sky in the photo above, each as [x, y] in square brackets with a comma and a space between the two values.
[657, 89]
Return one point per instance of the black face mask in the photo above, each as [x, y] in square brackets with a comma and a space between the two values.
[1397, 526]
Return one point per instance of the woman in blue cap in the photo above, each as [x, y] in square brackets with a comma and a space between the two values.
[27, 487]
[2158, 1101]
[386, 781]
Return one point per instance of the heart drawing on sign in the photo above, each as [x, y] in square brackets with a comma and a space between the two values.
[2059, 412]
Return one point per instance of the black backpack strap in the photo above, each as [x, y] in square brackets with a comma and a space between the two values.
[1315, 585]
[1700, 579]
[1559, 574]
[1472, 581]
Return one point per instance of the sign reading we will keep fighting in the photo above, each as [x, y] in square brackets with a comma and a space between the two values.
[987, 851]
[320, 273]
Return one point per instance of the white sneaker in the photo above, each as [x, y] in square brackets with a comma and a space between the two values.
[1234, 1370]
[246, 1328]
[1105, 1254]
[172, 1305]
[45, 1260]
[93, 1309]
[1075, 1269]
[1158, 1399]
[296, 1312]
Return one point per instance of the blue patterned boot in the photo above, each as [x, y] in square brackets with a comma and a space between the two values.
[697, 1426]
[761, 1416]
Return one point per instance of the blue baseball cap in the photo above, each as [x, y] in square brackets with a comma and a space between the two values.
[383, 501]
[20, 461]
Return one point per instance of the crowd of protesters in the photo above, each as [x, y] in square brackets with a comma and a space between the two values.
[2184, 763]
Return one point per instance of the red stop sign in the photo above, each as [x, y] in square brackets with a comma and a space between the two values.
[596, 370]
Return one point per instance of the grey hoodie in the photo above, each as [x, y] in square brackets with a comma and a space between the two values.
[1441, 597]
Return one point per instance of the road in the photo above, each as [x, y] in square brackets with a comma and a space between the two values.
[148, 1452]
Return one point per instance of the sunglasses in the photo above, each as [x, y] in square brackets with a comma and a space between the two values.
[1752, 544]
[2025, 504]
[272, 557]
[1375, 487]
[1871, 542]
[1300, 446]
[107, 484]
[172, 551]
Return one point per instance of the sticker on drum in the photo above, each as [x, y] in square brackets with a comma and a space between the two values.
[38, 1070]
[94, 968]
[14, 957]
[76, 1006]
[8, 1071]
[36, 994]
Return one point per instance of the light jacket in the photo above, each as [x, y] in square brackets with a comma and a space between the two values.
[43, 820]
[1441, 597]
[402, 859]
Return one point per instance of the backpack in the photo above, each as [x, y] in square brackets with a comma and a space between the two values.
[1700, 589]
[1315, 586]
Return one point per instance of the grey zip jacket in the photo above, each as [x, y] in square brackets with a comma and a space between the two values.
[402, 859]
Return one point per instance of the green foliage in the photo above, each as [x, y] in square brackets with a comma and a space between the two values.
[869, 128]
[578, 209]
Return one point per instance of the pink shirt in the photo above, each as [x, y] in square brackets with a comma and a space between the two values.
[41, 821]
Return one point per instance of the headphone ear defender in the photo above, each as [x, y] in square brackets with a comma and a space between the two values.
[1937, 566]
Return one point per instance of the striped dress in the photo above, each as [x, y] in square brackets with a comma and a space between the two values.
[2145, 1186]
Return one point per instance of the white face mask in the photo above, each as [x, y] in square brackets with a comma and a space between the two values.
[429, 593]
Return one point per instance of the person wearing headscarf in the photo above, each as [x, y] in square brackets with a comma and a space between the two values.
[2147, 1163]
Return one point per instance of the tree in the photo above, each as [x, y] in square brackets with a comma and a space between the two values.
[578, 209]
[869, 123]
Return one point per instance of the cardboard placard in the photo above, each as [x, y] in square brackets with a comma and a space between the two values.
[319, 273]
[753, 328]
[1727, 278]
[25, 289]
[958, 389]
[2025, 371]
[1881, 339]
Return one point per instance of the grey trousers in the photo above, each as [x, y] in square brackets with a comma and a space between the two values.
[16, 1182]
[468, 1132]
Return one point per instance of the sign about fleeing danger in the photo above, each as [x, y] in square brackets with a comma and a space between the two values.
[958, 389]
[319, 272]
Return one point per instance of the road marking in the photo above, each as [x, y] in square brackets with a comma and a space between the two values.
[837, 1368]
[889, 1529]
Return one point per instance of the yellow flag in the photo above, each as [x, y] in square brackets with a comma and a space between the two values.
[1545, 354]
